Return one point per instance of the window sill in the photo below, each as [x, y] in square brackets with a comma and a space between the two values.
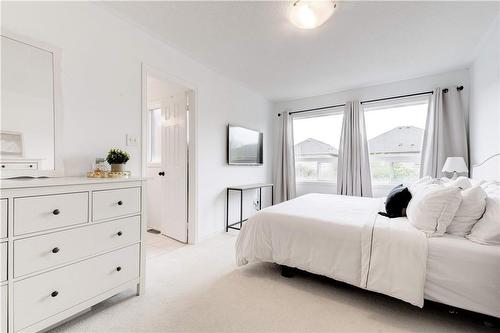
[325, 182]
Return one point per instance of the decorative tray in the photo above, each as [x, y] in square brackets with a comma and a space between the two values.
[108, 174]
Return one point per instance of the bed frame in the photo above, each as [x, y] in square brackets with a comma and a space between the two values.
[488, 169]
[487, 321]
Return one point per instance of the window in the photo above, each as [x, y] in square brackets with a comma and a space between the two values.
[155, 135]
[395, 132]
[316, 138]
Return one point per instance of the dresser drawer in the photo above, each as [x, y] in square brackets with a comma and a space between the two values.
[3, 218]
[45, 295]
[41, 252]
[3, 309]
[19, 165]
[115, 203]
[32, 214]
[3, 261]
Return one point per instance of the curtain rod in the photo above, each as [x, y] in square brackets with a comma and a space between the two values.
[396, 97]
[459, 88]
[316, 109]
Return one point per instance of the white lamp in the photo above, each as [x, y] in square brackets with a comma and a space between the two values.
[455, 165]
[307, 14]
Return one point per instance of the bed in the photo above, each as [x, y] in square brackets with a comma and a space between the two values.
[463, 274]
[345, 239]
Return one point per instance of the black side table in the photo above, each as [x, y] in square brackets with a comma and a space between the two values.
[241, 189]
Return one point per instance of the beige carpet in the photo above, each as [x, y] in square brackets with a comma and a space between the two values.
[200, 289]
[158, 245]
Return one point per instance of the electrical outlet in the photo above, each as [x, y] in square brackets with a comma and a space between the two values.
[131, 140]
[256, 204]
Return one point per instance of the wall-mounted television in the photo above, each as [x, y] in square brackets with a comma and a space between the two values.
[244, 146]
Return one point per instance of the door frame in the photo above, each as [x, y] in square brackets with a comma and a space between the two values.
[192, 161]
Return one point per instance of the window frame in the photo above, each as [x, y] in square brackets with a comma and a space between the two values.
[388, 104]
[337, 110]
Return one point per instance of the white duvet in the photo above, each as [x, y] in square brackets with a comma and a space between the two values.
[340, 237]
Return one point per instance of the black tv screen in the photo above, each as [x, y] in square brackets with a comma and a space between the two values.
[244, 146]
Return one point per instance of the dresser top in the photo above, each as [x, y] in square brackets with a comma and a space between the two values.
[60, 181]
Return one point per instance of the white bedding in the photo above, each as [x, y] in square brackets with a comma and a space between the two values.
[398, 260]
[340, 237]
[464, 274]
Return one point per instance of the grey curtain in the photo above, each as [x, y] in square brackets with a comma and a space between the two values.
[284, 176]
[445, 132]
[353, 174]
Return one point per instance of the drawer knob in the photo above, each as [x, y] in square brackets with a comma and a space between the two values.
[119, 233]
[55, 250]
[54, 293]
[120, 203]
[119, 268]
[56, 212]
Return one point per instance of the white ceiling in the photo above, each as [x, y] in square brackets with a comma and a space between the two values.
[364, 43]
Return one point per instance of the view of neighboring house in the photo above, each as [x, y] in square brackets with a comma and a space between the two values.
[399, 141]
[394, 157]
[315, 161]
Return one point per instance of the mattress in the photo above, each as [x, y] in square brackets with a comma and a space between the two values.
[464, 274]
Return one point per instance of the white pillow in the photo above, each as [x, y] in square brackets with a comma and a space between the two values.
[462, 182]
[444, 180]
[433, 207]
[419, 184]
[487, 229]
[475, 182]
[492, 188]
[469, 212]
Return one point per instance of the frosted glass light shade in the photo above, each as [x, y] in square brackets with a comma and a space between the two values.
[455, 164]
[311, 14]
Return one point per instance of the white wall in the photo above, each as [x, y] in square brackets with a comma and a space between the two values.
[485, 105]
[421, 84]
[101, 95]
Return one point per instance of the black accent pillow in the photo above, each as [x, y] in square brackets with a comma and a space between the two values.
[396, 202]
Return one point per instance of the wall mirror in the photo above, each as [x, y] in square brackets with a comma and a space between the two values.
[30, 116]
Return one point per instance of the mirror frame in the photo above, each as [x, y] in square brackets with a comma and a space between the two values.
[58, 170]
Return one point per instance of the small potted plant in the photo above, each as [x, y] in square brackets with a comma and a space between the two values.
[117, 158]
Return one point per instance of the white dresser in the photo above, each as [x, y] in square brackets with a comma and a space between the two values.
[65, 245]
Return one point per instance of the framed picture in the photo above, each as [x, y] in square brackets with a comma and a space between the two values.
[11, 144]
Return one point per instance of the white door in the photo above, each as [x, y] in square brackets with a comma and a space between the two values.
[156, 195]
[175, 164]
[156, 188]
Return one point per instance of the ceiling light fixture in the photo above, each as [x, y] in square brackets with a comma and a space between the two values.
[311, 14]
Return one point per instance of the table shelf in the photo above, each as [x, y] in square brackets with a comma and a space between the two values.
[241, 189]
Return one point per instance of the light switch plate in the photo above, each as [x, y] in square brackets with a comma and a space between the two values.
[131, 140]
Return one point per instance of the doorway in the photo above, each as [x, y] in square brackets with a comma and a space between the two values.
[166, 128]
